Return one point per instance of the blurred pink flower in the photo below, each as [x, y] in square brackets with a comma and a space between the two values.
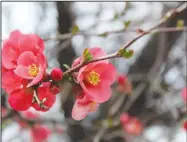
[184, 94]
[40, 133]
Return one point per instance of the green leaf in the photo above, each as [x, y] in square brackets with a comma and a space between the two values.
[127, 23]
[105, 34]
[87, 56]
[66, 66]
[126, 53]
[116, 16]
[180, 23]
[75, 29]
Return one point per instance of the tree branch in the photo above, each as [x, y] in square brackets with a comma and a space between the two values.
[168, 16]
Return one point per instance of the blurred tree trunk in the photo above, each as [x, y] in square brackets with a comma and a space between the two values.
[66, 56]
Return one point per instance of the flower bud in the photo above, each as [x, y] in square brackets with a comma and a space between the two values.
[46, 77]
[56, 74]
[55, 88]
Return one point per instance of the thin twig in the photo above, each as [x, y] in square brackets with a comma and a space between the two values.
[168, 15]
[119, 31]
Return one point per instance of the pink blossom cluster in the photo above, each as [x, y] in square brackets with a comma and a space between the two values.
[25, 80]
[23, 68]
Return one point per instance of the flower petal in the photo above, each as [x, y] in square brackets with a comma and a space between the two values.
[99, 94]
[23, 72]
[109, 75]
[10, 53]
[80, 110]
[11, 82]
[31, 42]
[19, 100]
[27, 58]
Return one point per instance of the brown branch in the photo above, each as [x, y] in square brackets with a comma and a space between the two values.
[168, 16]
[119, 31]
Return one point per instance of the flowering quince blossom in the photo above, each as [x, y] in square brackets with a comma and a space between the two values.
[123, 84]
[21, 99]
[184, 94]
[96, 78]
[22, 59]
[83, 105]
[131, 125]
[40, 133]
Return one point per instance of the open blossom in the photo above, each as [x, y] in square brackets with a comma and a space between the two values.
[96, 78]
[21, 99]
[184, 94]
[83, 105]
[131, 125]
[40, 133]
[22, 59]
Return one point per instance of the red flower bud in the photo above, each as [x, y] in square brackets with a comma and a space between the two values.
[56, 74]
[46, 77]
[55, 88]
[121, 79]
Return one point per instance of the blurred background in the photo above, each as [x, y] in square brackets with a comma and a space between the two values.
[157, 71]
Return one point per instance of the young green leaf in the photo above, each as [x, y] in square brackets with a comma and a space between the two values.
[126, 53]
[66, 66]
[75, 29]
[127, 23]
[87, 56]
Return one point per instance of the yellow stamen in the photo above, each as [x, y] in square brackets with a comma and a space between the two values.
[94, 78]
[33, 70]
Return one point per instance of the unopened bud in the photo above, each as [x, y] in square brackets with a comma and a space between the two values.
[56, 74]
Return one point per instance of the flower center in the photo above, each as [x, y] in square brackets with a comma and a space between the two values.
[33, 70]
[93, 78]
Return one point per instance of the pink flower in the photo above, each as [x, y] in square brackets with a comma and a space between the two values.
[40, 133]
[133, 126]
[95, 79]
[22, 55]
[29, 114]
[45, 93]
[21, 99]
[184, 94]
[83, 106]
[124, 118]
[124, 85]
